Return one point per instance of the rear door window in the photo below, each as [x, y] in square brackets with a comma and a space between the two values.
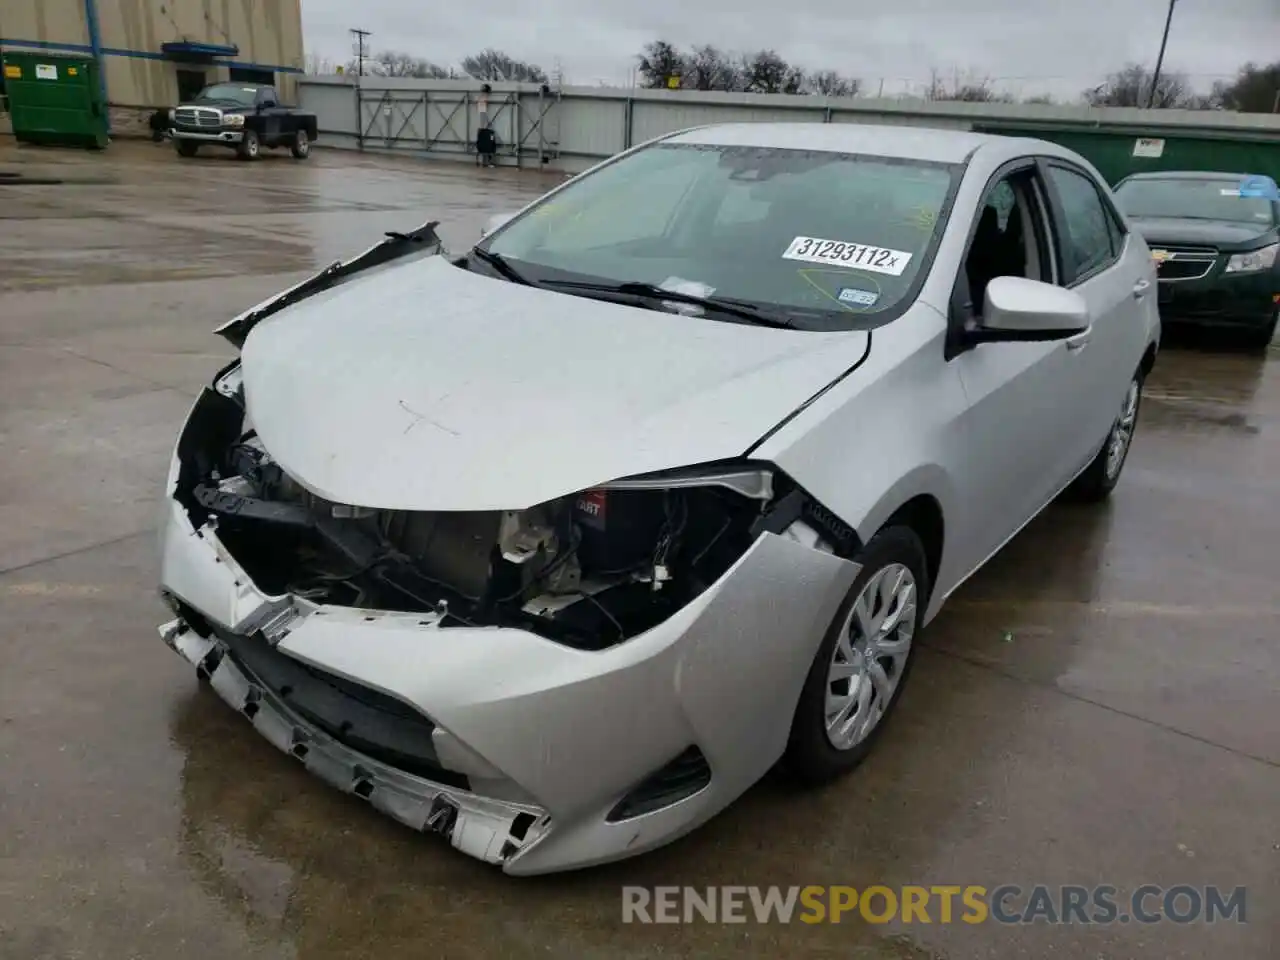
[1087, 234]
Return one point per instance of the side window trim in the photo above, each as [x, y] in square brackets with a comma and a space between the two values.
[1061, 232]
[1045, 237]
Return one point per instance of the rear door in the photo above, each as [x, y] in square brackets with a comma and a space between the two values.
[1112, 271]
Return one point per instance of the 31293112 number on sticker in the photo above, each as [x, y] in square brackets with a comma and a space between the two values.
[856, 256]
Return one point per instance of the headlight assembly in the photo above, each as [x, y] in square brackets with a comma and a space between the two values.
[1253, 261]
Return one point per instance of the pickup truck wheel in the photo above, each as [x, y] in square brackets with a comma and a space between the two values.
[250, 146]
[301, 145]
[186, 148]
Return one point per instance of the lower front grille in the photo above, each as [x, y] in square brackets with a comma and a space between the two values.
[366, 720]
[1184, 269]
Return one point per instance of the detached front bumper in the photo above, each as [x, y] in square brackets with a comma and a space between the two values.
[539, 744]
[222, 136]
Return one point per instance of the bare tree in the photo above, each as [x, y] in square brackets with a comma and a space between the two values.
[1256, 89]
[495, 65]
[1040, 98]
[318, 66]
[766, 72]
[973, 89]
[707, 68]
[393, 63]
[659, 63]
[829, 83]
[1131, 87]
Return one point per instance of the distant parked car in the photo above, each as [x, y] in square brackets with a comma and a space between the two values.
[555, 546]
[1214, 238]
[245, 117]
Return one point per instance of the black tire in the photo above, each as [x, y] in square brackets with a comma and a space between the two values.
[301, 148]
[186, 148]
[250, 146]
[1099, 479]
[811, 757]
[1261, 339]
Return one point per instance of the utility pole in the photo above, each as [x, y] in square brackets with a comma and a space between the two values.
[359, 35]
[1155, 77]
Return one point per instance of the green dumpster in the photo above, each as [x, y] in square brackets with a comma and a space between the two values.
[55, 99]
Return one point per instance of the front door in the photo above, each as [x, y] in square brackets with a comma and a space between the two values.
[1021, 426]
[268, 102]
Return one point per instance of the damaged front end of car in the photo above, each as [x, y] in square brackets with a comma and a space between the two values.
[588, 570]
[546, 686]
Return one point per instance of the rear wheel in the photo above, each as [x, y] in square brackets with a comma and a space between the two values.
[862, 665]
[250, 146]
[301, 145]
[1102, 475]
[186, 148]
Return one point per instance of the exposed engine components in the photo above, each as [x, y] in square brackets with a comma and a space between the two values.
[588, 570]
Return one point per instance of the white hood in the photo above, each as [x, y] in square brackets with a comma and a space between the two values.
[426, 387]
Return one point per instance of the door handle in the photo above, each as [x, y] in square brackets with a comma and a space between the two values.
[1141, 289]
[1078, 342]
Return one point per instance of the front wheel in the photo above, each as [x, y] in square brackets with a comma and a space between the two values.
[863, 662]
[250, 146]
[301, 145]
[1261, 338]
[186, 148]
[1102, 475]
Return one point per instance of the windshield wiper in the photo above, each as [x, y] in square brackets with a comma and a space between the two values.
[651, 291]
[499, 263]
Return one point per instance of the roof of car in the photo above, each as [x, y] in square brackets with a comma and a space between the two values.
[899, 142]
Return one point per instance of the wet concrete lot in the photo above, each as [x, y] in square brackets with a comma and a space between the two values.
[1100, 705]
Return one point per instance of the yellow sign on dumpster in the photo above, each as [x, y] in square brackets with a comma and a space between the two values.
[12, 71]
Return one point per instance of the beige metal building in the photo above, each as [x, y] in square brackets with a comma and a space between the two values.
[156, 52]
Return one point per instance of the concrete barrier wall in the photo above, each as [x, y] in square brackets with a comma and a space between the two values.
[576, 127]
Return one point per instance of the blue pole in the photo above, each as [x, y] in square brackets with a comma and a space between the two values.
[95, 44]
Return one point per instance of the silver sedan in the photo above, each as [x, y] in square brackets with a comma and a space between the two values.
[555, 546]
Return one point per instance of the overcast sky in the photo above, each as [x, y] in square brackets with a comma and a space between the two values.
[1026, 46]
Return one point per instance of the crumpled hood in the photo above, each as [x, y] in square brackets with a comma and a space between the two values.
[1225, 235]
[427, 387]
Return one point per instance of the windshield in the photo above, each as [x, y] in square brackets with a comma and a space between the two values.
[825, 238]
[234, 92]
[1215, 199]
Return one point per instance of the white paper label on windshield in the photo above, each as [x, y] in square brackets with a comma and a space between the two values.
[856, 256]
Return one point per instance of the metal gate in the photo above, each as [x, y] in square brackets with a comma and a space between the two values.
[527, 125]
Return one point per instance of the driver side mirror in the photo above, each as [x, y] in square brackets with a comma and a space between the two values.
[1020, 310]
[494, 222]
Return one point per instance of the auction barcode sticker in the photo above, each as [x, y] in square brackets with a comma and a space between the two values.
[857, 256]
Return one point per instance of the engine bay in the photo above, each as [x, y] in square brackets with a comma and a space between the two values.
[588, 570]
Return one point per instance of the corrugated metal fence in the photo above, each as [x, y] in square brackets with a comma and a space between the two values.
[572, 128]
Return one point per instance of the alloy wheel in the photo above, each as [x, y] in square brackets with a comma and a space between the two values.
[1122, 432]
[870, 655]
